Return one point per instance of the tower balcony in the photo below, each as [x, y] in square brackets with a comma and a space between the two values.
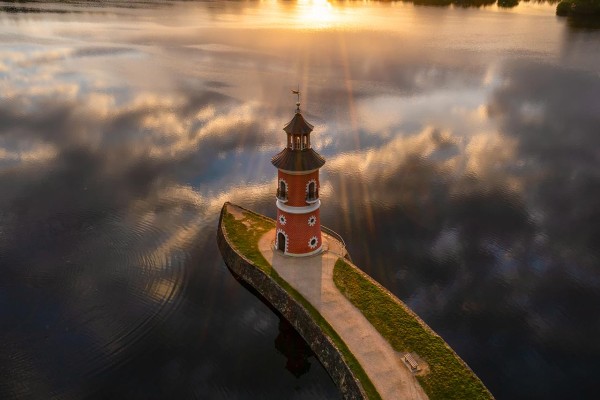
[282, 195]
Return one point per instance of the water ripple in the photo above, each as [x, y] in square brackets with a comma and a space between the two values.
[92, 304]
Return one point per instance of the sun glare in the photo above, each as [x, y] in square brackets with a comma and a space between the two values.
[325, 14]
[318, 13]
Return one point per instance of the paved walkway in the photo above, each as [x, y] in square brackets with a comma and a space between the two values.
[313, 278]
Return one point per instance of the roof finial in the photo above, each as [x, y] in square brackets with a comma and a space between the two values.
[297, 92]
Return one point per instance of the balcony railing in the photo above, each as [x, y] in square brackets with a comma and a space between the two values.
[337, 236]
[282, 195]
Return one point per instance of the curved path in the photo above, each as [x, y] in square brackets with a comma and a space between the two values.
[313, 278]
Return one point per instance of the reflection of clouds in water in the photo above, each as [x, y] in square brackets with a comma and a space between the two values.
[379, 114]
[103, 213]
[494, 233]
[92, 217]
[158, 132]
[477, 181]
[557, 138]
[34, 152]
[483, 156]
[456, 187]
[164, 128]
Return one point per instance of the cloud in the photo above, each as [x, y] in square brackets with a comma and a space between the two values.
[557, 140]
[92, 201]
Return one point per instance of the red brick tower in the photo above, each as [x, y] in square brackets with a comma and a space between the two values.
[298, 221]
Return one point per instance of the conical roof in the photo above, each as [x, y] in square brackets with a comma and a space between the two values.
[298, 160]
[304, 159]
[298, 126]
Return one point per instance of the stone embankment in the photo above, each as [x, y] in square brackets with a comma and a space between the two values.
[294, 312]
[372, 345]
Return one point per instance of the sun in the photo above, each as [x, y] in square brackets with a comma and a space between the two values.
[316, 13]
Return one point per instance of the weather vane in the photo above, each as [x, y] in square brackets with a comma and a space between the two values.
[297, 92]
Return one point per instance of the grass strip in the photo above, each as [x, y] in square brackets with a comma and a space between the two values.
[244, 235]
[449, 378]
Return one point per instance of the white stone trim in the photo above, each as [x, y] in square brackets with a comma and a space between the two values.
[298, 172]
[287, 240]
[298, 210]
[316, 251]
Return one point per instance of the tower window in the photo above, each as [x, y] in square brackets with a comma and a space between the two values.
[312, 192]
[282, 191]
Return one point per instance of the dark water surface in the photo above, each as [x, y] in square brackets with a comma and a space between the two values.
[462, 152]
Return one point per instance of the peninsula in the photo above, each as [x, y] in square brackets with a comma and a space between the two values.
[372, 345]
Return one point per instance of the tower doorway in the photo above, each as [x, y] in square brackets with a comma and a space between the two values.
[281, 242]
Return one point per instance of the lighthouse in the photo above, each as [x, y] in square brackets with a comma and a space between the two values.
[298, 230]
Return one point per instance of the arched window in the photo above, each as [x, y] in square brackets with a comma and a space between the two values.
[282, 190]
[297, 142]
[312, 191]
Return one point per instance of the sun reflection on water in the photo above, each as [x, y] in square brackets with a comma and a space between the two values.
[318, 13]
[312, 14]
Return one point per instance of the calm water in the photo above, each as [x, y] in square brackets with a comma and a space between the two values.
[463, 171]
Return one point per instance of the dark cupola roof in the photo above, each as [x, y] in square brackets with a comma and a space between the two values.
[298, 160]
[298, 155]
[298, 125]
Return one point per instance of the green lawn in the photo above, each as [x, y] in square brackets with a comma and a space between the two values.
[244, 235]
[449, 378]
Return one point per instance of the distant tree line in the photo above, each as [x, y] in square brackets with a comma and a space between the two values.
[582, 9]
[576, 8]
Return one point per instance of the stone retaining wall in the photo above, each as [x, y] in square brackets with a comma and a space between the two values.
[295, 313]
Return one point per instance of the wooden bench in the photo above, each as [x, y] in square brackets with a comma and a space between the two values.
[412, 363]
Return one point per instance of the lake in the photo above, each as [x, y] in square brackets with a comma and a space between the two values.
[462, 171]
